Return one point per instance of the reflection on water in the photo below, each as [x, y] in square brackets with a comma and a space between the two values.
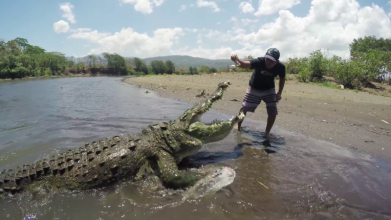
[294, 178]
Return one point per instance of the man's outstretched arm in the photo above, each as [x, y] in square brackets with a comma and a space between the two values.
[242, 64]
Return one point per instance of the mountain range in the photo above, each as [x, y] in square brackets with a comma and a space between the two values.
[184, 61]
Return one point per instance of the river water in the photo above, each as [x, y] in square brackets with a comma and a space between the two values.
[296, 178]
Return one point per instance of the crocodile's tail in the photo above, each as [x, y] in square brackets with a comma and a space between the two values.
[17, 180]
[14, 180]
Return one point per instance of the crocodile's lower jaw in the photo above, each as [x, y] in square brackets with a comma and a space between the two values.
[215, 131]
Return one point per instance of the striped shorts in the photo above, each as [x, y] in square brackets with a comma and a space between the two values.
[254, 97]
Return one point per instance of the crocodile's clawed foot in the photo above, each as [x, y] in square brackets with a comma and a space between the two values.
[40, 191]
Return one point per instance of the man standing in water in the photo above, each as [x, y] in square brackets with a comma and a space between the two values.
[262, 86]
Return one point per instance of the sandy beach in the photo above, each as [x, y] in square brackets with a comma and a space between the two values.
[356, 120]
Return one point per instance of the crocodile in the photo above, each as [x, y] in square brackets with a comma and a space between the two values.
[157, 149]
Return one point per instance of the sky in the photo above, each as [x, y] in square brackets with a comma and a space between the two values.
[200, 28]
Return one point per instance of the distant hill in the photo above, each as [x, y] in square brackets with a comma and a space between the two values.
[187, 61]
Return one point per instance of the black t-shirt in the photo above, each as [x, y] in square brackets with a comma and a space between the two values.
[263, 78]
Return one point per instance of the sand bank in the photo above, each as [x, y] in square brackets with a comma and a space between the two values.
[357, 120]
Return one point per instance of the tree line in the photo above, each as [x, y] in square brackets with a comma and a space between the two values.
[19, 59]
[370, 60]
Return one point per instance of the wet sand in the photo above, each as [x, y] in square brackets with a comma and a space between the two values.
[356, 120]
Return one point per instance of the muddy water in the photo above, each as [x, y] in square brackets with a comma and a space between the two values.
[295, 178]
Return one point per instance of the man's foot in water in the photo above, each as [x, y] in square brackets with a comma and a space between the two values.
[267, 139]
[239, 125]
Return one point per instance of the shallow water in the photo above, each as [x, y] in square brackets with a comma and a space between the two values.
[295, 178]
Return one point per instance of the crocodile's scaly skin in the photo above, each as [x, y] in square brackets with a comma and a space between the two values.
[158, 148]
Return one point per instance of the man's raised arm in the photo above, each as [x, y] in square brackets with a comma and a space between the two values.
[242, 64]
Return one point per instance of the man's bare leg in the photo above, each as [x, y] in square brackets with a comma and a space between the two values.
[240, 122]
[270, 122]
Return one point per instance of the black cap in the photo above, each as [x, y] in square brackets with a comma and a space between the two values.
[273, 54]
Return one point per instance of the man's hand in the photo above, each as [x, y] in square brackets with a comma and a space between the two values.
[278, 97]
[282, 83]
[234, 58]
[241, 64]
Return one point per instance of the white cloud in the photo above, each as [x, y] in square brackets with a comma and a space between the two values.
[330, 25]
[143, 6]
[130, 43]
[212, 33]
[234, 19]
[81, 29]
[61, 26]
[88, 34]
[67, 12]
[248, 21]
[267, 7]
[158, 2]
[246, 7]
[183, 7]
[212, 4]
[194, 30]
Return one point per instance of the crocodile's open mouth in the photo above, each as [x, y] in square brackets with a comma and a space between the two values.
[216, 130]
[204, 107]
[197, 119]
[213, 131]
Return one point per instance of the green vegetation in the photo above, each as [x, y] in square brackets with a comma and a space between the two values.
[19, 59]
[370, 60]
[328, 84]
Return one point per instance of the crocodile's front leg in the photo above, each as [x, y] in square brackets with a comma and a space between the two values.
[171, 175]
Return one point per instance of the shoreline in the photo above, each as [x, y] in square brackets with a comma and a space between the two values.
[359, 121]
